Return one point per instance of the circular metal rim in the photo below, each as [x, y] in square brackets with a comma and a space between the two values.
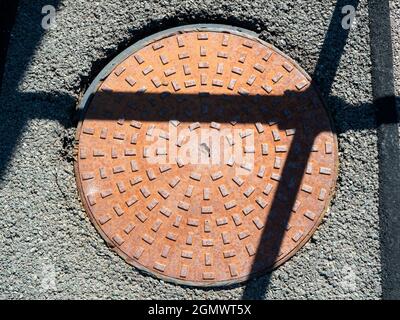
[96, 83]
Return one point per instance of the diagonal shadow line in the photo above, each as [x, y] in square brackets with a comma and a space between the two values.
[327, 57]
[8, 116]
[288, 189]
[332, 48]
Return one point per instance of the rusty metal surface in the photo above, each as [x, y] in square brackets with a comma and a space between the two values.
[182, 150]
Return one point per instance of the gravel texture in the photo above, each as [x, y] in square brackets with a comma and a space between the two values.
[395, 21]
[48, 247]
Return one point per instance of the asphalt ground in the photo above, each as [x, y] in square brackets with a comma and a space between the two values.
[387, 121]
[48, 247]
[395, 24]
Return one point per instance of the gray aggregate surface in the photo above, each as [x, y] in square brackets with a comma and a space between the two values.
[48, 247]
[395, 22]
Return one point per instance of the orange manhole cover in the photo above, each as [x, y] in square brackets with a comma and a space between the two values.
[205, 156]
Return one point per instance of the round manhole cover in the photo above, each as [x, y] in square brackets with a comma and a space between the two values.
[205, 156]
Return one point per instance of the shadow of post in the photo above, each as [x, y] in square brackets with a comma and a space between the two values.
[331, 52]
